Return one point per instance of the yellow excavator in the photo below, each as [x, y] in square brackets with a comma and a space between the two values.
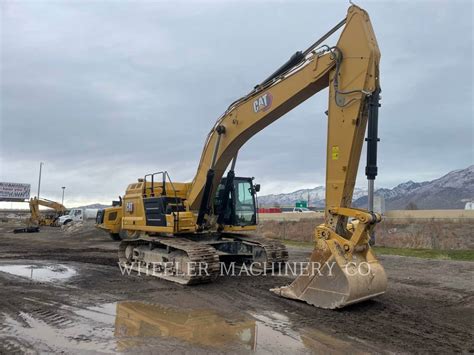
[45, 218]
[208, 220]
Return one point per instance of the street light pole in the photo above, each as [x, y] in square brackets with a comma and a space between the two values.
[62, 201]
[39, 180]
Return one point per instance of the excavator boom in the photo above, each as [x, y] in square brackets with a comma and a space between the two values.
[355, 59]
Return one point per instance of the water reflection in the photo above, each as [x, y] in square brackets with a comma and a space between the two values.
[141, 327]
[201, 327]
[140, 324]
[41, 273]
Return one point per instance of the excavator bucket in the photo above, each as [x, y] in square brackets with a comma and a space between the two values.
[333, 279]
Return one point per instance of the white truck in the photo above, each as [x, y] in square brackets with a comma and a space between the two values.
[78, 215]
[302, 210]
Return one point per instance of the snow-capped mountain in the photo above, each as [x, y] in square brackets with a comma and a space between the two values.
[99, 206]
[450, 191]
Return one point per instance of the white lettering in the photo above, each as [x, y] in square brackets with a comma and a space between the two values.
[365, 265]
[352, 267]
[126, 268]
[330, 267]
[227, 271]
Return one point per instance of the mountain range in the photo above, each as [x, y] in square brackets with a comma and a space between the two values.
[98, 206]
[450, 191]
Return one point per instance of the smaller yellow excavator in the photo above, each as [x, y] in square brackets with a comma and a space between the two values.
[45, 218]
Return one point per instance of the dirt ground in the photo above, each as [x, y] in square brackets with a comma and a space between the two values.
[62, 291]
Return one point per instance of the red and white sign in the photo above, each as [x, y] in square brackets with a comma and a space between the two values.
[12, 191]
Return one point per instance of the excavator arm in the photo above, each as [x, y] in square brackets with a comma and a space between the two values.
[48, 203]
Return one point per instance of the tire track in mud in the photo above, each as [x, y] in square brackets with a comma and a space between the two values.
[13, 345]
[44, 327]
[52, 318]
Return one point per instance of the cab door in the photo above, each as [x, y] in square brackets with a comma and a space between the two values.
[78, 215]
[244, 203]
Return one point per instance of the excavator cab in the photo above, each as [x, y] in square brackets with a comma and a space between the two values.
[235, 202]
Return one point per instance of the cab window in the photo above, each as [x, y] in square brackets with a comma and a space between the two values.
[244, 203]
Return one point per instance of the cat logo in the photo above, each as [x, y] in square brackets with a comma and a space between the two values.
[263, 103]
[129, 207]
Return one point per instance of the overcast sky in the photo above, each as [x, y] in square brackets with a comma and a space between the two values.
[105, 91]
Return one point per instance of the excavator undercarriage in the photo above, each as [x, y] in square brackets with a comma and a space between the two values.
[193, 259]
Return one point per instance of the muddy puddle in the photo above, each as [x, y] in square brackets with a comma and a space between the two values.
[137, 321]
[40, 273]
[138, 326]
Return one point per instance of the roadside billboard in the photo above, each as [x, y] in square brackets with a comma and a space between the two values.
[15, 192]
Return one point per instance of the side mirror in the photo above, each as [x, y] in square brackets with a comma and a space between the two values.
[257, 187]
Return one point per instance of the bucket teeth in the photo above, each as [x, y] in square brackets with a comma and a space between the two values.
[331, 280]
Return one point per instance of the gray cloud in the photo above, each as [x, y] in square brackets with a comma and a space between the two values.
[105, 92]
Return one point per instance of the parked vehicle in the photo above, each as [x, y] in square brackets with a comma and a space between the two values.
[302, 210]
[78, 215]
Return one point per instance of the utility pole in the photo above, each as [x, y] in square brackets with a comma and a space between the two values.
[39, 180]
[62, 200]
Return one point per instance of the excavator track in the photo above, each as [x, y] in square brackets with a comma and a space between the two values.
[202, 260]
[276, 252]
